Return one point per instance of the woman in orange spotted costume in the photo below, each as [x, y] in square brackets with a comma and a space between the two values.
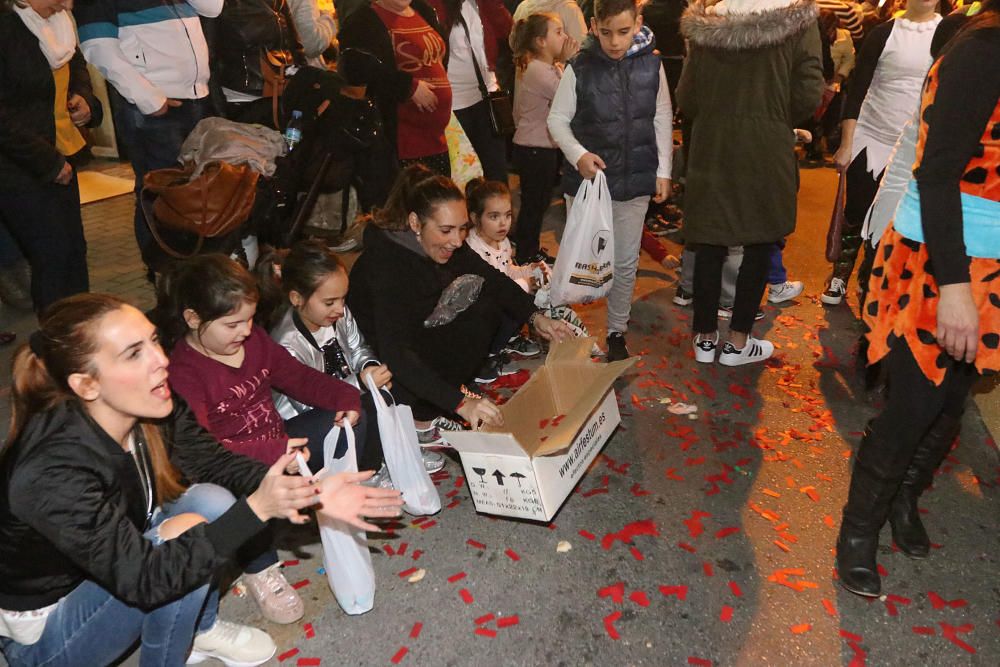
[934, 309]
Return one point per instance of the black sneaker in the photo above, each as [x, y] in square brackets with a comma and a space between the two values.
[522, 346]
[494, 368]
[616, 347]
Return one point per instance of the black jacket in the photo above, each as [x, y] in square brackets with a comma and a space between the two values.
[387, 86]
[73, 508]
[394, 289]
[28, 154]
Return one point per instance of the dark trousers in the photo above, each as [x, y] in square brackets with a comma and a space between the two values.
[154, 142]
[45, 221]
[861, 190]
[492, 151]
[439, 163]
[776, 272]
[913, 405]
[750, 283]
[537, 168]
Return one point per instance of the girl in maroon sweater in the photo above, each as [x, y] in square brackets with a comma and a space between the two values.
[225, 368]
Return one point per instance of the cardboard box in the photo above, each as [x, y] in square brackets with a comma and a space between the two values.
[526, 470]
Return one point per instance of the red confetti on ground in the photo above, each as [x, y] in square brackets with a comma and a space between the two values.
[609, 624]
[708, 569]
[475, 544]
[686, 547]
[429, 524]
[587, 535]
[486, 632]
[801, 628]
[830, 609]
[700, 662]
[726, 532]
[640, 598]
[735, 588]
[924, 630]
[466, 596]
[594, 492]
[511, 554]
[672, 474]
[400, 654]
[680, 591]
[882, 571]
[417, 554]
[407, 572]
[939, 602]
[639, 491]
[402, 549]
[415, 632]
[851, 636]
[694, 525]
[299, 584]
[290, 653]
[644, 527]
[508, 621]
[636, 554]
[291, 563]
[310, 633]
[308, 662]
[484, 619]
[726, 614]
[615, 591]
[950, 633]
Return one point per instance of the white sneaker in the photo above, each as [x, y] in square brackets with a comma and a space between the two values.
[755, 350]
[234, 644]
[835, 293]
[278, 601]
[433, 461]
[785, 291]
[704, 348]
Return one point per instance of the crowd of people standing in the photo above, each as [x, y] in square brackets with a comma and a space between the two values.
[157, 479]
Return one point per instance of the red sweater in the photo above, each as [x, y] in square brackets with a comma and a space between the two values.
[235, 404]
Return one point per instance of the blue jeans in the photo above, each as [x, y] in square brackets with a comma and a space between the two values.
[776, 273]
[154, 142]
[90, 626]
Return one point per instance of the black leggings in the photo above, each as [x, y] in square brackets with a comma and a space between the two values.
[914, 404]
[537, 168]
[750, 284]
[861, 190]
[491, 150]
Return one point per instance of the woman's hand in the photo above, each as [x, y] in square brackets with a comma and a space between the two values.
[424, 96]
[343, 497]
[380, 375]
[282, 496]
[550, 329]
[296, 446]
[351, 416]
[480, 412]
[79, 110]
[958, 322]
[65, 174]
[842, 158]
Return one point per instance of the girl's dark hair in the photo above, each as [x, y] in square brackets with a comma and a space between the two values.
[211, 285]
[526, 32]
[64, 345]
[302, 269]
[478, 191]
[417, 190]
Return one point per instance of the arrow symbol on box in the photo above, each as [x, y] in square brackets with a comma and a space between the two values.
[518, 476]
[499, 475]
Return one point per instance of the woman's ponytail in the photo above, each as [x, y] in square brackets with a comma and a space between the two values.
[32, 391]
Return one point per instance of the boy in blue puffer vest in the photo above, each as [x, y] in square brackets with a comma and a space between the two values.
[612, 112]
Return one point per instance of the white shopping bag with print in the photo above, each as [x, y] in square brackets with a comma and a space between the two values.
[346, 558]
[402, 455]
[585, 263]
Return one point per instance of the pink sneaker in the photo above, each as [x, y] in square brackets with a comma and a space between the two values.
[278, 601]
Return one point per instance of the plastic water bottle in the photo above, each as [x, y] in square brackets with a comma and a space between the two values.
[293, 132]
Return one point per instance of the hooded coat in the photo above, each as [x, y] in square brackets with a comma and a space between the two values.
[753, 71]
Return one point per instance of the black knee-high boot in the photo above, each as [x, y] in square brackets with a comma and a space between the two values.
[907, 529]
[873, 485]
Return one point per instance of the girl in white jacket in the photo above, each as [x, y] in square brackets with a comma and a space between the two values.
[314, 324]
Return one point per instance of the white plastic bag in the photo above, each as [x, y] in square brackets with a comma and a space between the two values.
[585, 263]
[345, 548]
[402, 455]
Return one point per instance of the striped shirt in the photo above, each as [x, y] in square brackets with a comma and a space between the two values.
[847, 15]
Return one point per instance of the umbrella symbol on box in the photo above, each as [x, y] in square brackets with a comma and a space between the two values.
[480, 472]
[518, 476]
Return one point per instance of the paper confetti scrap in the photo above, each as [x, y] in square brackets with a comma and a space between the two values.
[609, 624]
[563, 546]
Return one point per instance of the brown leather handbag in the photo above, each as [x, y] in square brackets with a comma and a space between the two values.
[213, 204]
[273, 63]
[834, 235]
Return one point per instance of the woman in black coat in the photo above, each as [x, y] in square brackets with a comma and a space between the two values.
[45, 96]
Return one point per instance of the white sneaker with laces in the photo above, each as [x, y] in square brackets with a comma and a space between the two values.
[704, 348]
[785, 291]
[234, 644]
[755, 350]
[835, 293]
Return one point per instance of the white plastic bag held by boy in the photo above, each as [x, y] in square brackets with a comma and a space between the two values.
[345, 548]
[402, 455]
[586, 258]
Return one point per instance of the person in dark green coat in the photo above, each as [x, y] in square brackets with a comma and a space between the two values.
[753, 71]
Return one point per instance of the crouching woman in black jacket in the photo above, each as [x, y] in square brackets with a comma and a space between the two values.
[117, 509]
